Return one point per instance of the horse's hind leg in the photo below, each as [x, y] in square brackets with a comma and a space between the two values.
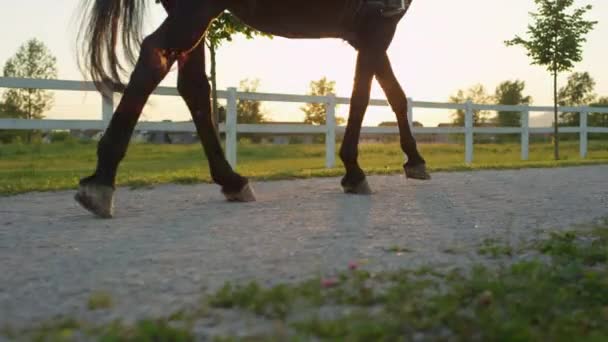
[96, 191]
[178, 34]
[193, 86]
[415, 167]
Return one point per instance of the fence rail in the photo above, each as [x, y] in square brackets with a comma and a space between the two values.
[231, 128]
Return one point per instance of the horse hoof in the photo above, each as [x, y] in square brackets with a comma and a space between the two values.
[417, 172]
[98, 199]
[360, 189]
[245, 195]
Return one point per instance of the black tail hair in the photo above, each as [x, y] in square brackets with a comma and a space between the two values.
[104, 25]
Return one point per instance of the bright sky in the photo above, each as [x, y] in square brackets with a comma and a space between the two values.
[441, 46]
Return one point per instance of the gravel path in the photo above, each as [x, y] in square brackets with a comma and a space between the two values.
[168, 242]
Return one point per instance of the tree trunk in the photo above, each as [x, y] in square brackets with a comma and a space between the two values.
[555, 123]
[215, 109]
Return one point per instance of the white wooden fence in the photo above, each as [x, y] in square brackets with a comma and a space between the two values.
[232, 128]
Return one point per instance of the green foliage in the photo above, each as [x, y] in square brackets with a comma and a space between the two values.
[399, 249]
[146, 330]
[99, 300]
[476, 94]
[223, 29]
[577, 92]
[61, 136]
[495, 249]
[9, 111]
[599, 119]
[510, 93]
[570, 247]
[556, 36]
[249, 112]
[555, 41]
[316, 113]
[56, 331]
[273, 303]
[32, 60]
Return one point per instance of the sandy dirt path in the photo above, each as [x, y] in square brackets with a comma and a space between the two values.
[168, 242]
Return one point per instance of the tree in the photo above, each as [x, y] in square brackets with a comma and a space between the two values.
[556, 38]
[476, 94]
[8, 111]
[32, 60]
[510, 93]
[221, 30]
[247, 111]
[599, 119]
[316, 113]
[577, 92]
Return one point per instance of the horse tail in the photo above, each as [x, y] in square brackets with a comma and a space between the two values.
[106, 24]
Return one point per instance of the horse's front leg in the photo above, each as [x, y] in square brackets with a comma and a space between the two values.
[354, 181]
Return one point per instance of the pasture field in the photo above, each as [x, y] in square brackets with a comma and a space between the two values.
[57, 166]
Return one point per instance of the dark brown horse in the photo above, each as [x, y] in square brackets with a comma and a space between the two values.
[369, 26]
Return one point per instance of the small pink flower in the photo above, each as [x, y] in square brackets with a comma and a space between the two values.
[329, 282]
[353, 265]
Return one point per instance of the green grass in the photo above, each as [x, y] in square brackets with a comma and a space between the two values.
[59, 166]
[99, 300]
[495, 249]
[556, 291]
[398, 249]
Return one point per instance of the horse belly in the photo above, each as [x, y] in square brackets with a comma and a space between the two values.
[299, 18]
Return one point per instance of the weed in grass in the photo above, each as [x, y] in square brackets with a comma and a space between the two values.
[398, 249]
[99, 300]
[560, 244]
[588, 248]
[146, 330]
[59, 330]
[453, 250]
[273, 302]
[495, 249]
[179, 315]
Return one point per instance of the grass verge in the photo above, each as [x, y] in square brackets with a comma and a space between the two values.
[59, 166]
[555, 289]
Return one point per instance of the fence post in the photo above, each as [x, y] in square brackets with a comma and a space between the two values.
[525, 133]
[231, 127]
[468, 135]
[584, 114]
[330, 132]
[107, 108]
[410, 120]
[410, 112]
